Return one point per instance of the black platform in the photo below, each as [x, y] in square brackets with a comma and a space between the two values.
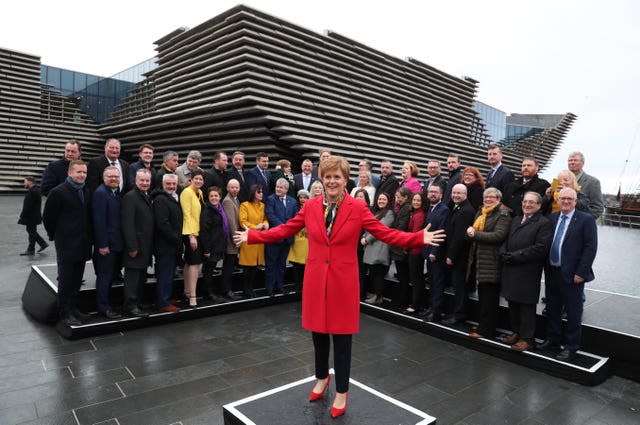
[289, 405]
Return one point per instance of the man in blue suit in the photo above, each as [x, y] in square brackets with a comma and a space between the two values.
[108, 243]
[438, 218]
[306, 177]
[499, 175]
[278, 208]
[574, 247]
[259, 174]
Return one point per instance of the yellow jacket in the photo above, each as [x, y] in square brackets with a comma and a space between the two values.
[191, 203]
[300, 248]
[251, 214]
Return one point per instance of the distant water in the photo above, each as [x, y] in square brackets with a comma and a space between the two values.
[617, 265]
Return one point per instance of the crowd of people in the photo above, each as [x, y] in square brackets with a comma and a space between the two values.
[502, 233]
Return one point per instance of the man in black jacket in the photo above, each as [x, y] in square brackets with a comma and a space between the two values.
[457, 256]
[388, 182]
[217, 175]
[137, 232]
[31, 216]
[56, 171]
[67, 220]
[529, 182]
[167, 215]
[455, 177]
[111, 157]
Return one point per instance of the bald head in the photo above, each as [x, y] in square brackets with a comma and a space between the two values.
[459, 193]
[233, 187]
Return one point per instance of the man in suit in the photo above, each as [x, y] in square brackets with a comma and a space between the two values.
[67, 220]
[528, 182]
[434, 170]
[589, 185]
[499, 175]
[31, 216]
[305, 178]
[194, 158]
[279, 207]
[455, 177]
[108, 242]
[231, 207]
[457, 248]
[237, 172]
[259, 174]
[167, 237]
[217, 175]
[137, 232]
[169, 166]
[111, 157]
[388, 182]
[145, 157]
[56, 171]
[438, 218]
[574, 247]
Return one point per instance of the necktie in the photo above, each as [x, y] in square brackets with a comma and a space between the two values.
[555, 246]
[524, 218]
[113, 163]
[284, 202]
[490, 175]
[264, 176]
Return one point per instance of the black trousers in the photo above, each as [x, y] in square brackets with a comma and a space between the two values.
[341, 358]
[133, 281]
[248, 276]
[32, 230]
[523, 320]
[489, 300]
[416, 278]
[377, 272]
[228, 266]
[69, 281]
[402, 268]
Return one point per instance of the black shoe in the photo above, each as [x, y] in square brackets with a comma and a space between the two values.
[434, 317]
[136, 312]
[566, 355]
[71, 320]
[83, 317]
[218, 299]
[43, 247]
[249, 294]
[27, 252]
[110, 314]
[453, 320]
[230, 296]
[547, 345]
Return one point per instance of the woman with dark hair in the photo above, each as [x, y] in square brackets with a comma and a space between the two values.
[474, 182]
[214, 234]
[376, 253]
[191, 201]
[414, 255]
[252, 216]
[398, 254]
[330, 301]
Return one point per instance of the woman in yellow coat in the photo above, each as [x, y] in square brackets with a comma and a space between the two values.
[300, 247]
[252, 216]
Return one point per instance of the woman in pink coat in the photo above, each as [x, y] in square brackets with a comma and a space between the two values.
[331, 292]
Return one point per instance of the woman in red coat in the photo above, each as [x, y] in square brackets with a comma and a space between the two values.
[331, 292]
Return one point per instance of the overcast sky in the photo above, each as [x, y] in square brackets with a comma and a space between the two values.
[529, 56]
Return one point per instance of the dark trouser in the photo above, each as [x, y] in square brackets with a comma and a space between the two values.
[489, 300]
[32, 230]
[104, 275]
[437, 272]
[567, 296]
[523, 320]
[165, 270]
[275, 257]
[228, 266]
[402, 268]
[341, 358]
[208, 266]
[377, 272]
[248, 277]
[133, 281]
[69, 281]
[416, 277]
[459, 283]
[298, 275]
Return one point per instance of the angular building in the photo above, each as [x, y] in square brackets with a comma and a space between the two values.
[245, 80]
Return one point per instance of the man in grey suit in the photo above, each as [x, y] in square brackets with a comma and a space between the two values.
[589, 185]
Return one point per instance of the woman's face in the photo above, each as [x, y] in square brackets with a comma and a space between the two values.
[317, 190]
[302, 199]
[400, 200]
[197, 181]
[259, 195]
[360, 195]
[383, 202]
[214, 198]
[364, 179]
[416, 201]
[334, 183]
[490, 200]
[468, 178]
[406, 171]
[565, 181]
[287, 169]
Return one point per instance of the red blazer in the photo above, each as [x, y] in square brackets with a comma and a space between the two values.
[331, 290]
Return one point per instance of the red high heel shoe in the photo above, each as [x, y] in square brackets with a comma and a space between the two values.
[336, 412]
[313, 396]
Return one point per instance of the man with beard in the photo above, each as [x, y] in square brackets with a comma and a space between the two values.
[529, 182]
[455, 177]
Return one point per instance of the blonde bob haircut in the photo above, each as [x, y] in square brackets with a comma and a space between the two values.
[413, 168]
[333, 163]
